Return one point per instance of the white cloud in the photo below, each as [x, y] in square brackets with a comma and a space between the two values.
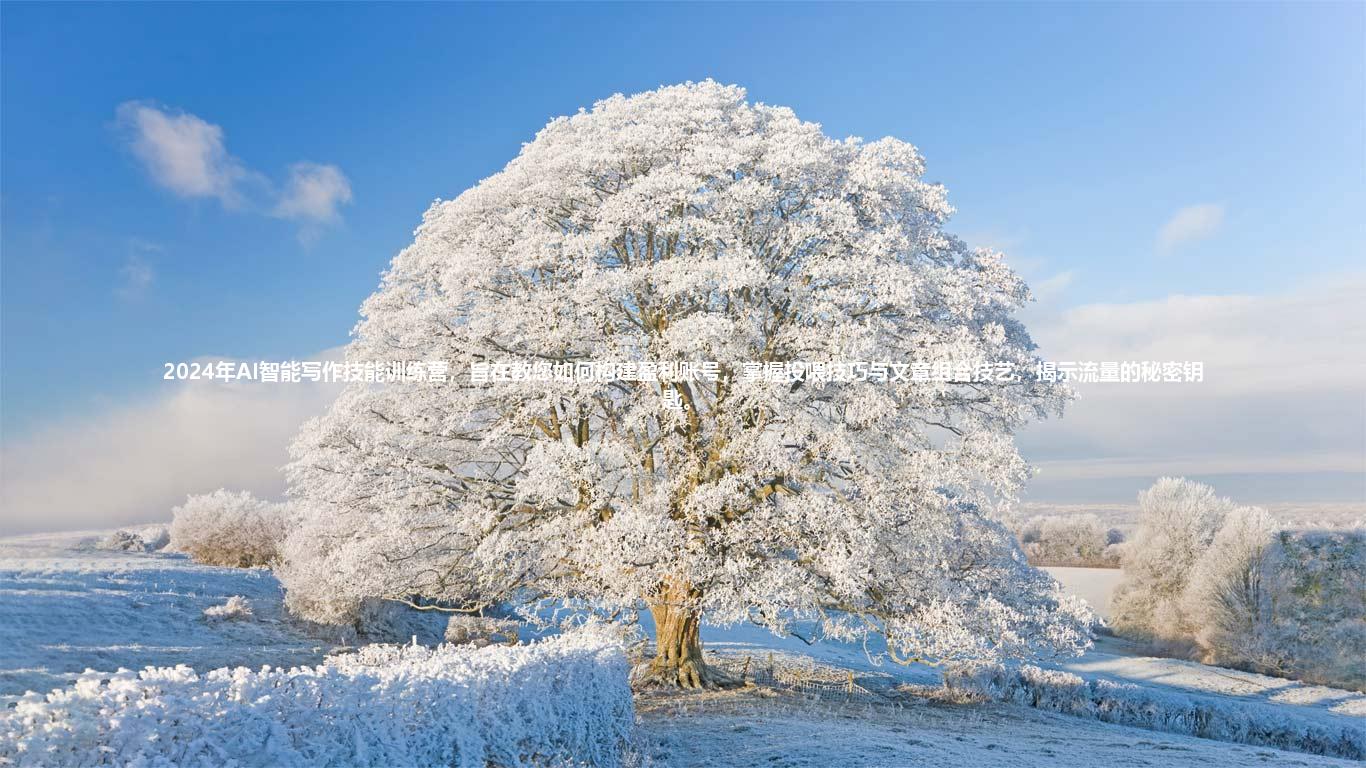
[133, 462]
[135, 277]
[188, 155]
[314, 193]
[1050, 288]
[1192, 223]
[182, 152]
[1282, 394]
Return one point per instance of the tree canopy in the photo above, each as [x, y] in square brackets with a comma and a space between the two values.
[687, 224]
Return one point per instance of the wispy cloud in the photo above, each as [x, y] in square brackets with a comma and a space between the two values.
[188, 156]
[182, 152]
[1051, 287]
[312, 197]
[1190, 224]
[135, 277]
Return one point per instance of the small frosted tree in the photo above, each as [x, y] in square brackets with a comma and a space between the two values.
[1227, 600]
[1177, 521]
[686, 224]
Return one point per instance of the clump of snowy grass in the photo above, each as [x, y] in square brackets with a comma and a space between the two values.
[236, 608]
[561, 700]
[1132, 705]
[148, 539]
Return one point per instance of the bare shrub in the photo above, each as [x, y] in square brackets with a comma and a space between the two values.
[480, 631]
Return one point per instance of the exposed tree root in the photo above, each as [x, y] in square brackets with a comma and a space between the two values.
[689, 674]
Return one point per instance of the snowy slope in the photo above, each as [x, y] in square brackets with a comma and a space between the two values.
[1244, 697]
[66, 606]
[1116, 659]
[1121, 661]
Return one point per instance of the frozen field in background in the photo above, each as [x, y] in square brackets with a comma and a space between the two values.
[1094, 585]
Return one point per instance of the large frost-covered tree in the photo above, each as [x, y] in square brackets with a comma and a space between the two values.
[686, 224]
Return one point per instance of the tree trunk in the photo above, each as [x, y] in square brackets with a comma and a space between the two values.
[678, 641]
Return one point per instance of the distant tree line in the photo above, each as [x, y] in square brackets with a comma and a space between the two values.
[1208, 579]
[1070, 540]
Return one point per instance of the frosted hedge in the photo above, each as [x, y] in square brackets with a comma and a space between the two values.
[560, 701]
[1136, 706]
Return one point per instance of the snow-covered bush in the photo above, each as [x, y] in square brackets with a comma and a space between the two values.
[1172, 712]
[155, 537]
[1070, 540]
[146, 539]
[563, 700]
[1315, 584]
[235, 609]
[233, 529]
[1177, 521]
[314, 587]
[122, 541]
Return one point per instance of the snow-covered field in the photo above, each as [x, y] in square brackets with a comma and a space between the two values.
[66, 606]
[1094, 585]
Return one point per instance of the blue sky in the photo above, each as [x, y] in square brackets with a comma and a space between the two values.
[1068, 135]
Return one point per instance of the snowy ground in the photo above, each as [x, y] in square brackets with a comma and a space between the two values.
[1118, 660]
[790, 731]
[66, 606]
